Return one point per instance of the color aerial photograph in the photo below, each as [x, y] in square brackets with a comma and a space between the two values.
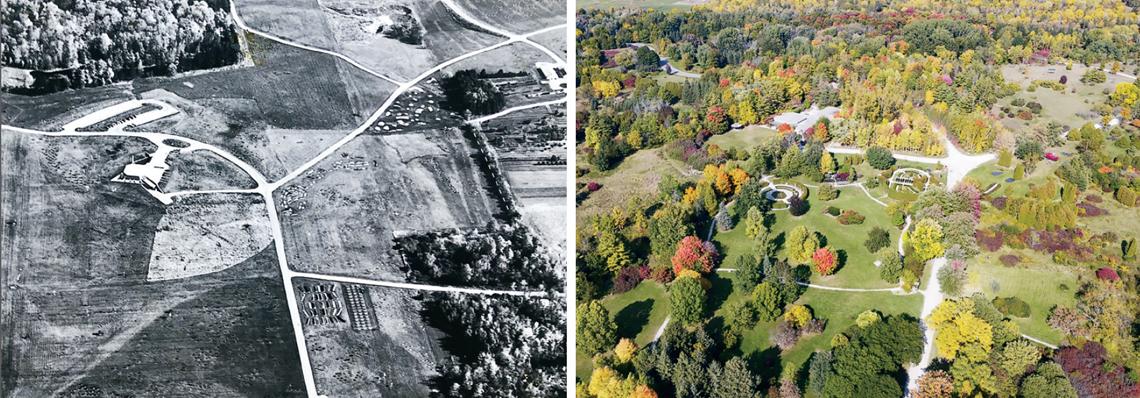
[284, 198]
[849, 198]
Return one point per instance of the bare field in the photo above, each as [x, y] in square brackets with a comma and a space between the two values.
[340, 217]
[394, 354]
[203, 170]
[201, 234]
[546, 216]
[291, 147]
[348, 27]
[301, 21]
[517, 16]
[517, 57]
[554, 40]
[292, 90]
[78, 317]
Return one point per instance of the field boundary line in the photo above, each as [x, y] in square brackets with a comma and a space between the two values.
[515, 109]
[241, 24]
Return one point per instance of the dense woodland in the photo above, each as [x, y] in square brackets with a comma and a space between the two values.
[84, 43]
[903, 74]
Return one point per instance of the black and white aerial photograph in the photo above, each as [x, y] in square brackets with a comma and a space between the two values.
[283, 198]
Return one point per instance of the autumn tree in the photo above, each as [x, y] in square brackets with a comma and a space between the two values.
[694, 254]
[800, 244]
[625, 350]
[926, 239]
[826, 163]
[825, 261]
[934, 384]
[797, 315]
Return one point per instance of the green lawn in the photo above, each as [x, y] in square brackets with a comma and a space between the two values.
[746, 138]
[858, 270]
[839, 309]
[983, 175]
[638, 313]
[1037, 280]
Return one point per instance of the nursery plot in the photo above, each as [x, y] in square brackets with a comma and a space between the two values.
[340, 217]
[531, 146]
[395, 355]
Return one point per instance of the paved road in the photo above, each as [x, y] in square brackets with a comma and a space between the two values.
[958, 163]
[515, 109]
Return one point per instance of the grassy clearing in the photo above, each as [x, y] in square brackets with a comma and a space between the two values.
[1064, 107]
[858, 270]
[745, 138]
[1037, 280]
[983, 175]
[839, 309]
[638, 313]
[636, 176]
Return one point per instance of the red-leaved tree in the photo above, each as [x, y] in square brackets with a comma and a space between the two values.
[824, 260]
[694, 254]
[1091, 377]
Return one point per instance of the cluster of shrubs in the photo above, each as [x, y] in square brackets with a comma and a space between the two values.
[877, 240]
[1009, 260]
[694, 153]
[629, 277]
[797, 206]
[1086, 209]
[1021, 109]
[849, 217]
[1012, 306]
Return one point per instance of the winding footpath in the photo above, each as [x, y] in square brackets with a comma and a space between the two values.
[266, 188]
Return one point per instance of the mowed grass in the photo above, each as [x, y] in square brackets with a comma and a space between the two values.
[857, 270]
[636, 176]
[638, 314]
[1037, 280]
[1064, 107]
[839, 309]
[983, 175]
[744, 139]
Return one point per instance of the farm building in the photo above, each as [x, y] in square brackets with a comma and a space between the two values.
[552, 74]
